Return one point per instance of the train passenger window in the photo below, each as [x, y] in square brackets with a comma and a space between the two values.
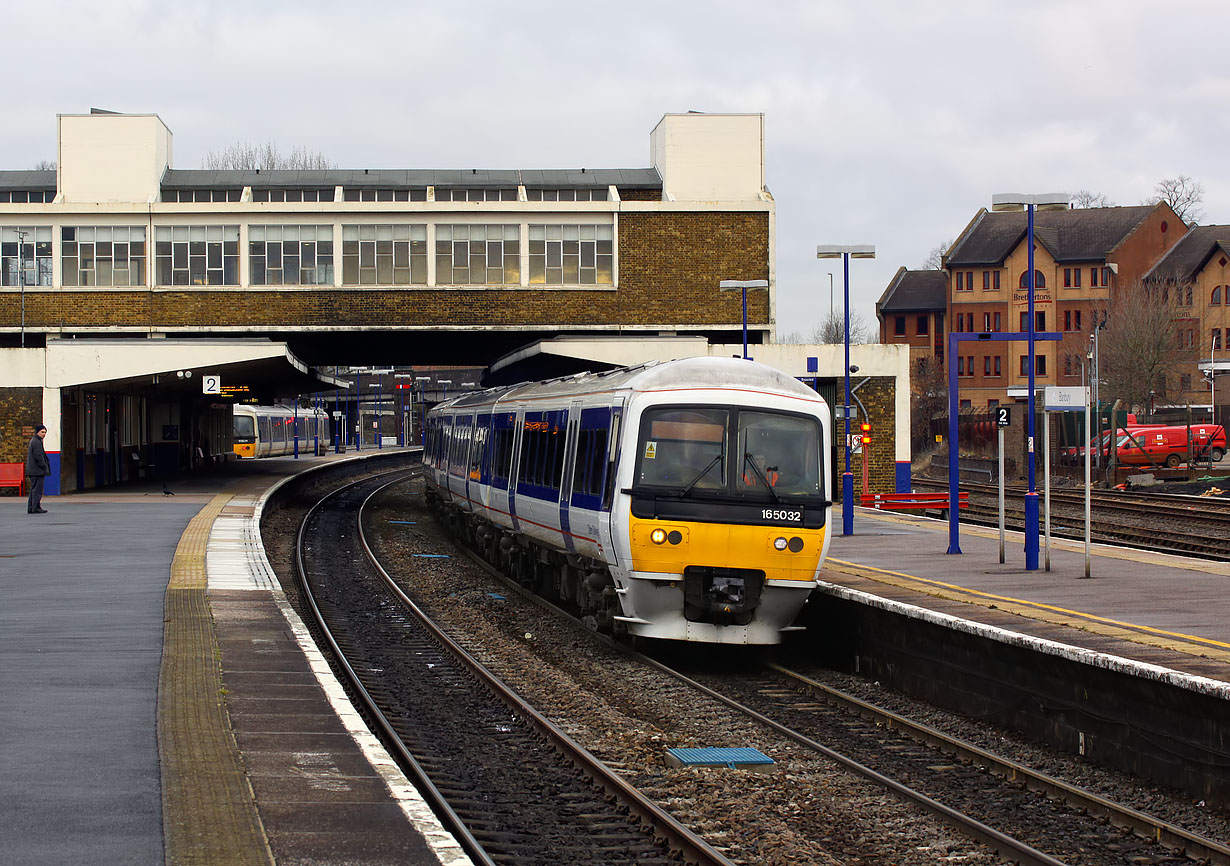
[590, 462]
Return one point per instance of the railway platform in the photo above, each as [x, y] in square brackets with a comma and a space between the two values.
[1154, 611]
[162, 702]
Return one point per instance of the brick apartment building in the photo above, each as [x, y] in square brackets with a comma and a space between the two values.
[1080, 257]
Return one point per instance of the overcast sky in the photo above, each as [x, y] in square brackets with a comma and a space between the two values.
[887, 123]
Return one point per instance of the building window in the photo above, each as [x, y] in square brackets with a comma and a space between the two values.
[966, 404]
[1106, 276]
[998, 370]
[923, 325]
[986, 279]
[444, 194]
[1188, 297]
[996, 322]
[1067, 320]
[1039, 320]
[1185, 382]
[1039, 365]
[898, 326]
[538, 194]
[290, 255]
[1076, 318]
[102, 255]
[1216, 338]
[384, 255]
[1067, 278]
[1072, 278]
[24, 196]
[29, 246]
[202, 195]
[960, 281]
[281, 194]
[572, 255]
[986, 365]
[1039, 280]
[1215, 298]
[1096, 274]
[995, 280]
[374, 194]
[1067, 365]
[986, 321]
[196, 255]
[969, 365]
[478, 255]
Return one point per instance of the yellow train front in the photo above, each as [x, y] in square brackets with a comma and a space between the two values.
[728, 510]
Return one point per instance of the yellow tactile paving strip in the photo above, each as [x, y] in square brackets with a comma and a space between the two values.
[1145, 635]
[208, 810]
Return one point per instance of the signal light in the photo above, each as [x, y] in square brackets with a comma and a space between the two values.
[866, 438]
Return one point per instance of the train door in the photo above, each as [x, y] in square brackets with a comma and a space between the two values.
[573, 418]
[607, 519]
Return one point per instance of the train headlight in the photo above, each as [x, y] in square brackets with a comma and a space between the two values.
[658, 536]
[779, 543]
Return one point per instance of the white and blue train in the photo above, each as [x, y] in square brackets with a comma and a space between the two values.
[686, 500]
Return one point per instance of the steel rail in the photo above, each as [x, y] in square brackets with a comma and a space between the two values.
[692, 847]
[435, 799]
[1142, 824]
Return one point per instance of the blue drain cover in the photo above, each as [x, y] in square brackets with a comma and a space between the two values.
[711, 756]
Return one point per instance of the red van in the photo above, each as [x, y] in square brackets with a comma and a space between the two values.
[1169, 445]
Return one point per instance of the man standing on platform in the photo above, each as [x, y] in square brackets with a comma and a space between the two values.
[38, 467]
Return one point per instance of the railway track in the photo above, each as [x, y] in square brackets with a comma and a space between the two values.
[510, 785]
[1026, 816]
[1188, 525]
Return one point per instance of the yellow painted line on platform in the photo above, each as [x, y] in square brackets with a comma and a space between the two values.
[188, 564]
[1048, 613]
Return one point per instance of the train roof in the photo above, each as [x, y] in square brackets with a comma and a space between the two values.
[681, 374]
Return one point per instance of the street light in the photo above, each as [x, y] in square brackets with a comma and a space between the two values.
[1030, 203]
[21, 278]
[845, 253]
[743, 285]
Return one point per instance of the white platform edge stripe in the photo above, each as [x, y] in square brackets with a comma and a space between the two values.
[1105, 661]
[235, 559]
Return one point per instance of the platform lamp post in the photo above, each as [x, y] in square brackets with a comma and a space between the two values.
[21, 278]
[845, 253]
[403, 439]
[743, 286]
[1004, 201]
[422, 382]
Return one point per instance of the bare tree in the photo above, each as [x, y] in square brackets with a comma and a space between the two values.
[1143, 349]
[1085, 199]
[928, 400]
[1184, 194]
[246, 156]
[45, 165]
[832, 330]
[935, 259]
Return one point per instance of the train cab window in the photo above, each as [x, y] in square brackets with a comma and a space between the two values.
[781, 452]
[684, 448]
[245, 427]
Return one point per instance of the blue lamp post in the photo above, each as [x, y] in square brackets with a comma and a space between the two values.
[743, 286]
[845, 253]
[1004, 201]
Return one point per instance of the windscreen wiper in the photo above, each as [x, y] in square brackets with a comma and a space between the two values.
[717, 458]
[747, 458]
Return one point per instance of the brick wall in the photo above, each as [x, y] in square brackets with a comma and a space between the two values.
[879, 397]
[20, 410]
[670, 267]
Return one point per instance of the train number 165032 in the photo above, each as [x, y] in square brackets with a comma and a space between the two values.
[781, 514]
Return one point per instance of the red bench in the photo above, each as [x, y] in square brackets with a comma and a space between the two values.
[914, 501]
[13, 475]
